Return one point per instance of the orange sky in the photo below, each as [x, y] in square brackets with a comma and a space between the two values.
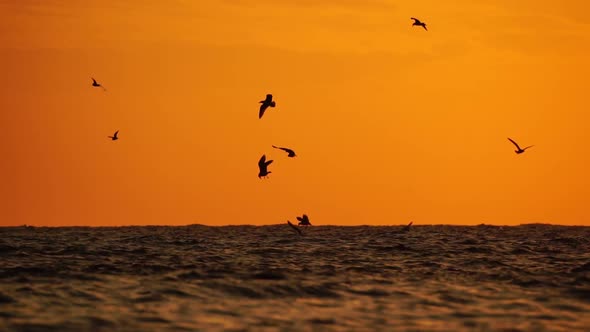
[391, 123]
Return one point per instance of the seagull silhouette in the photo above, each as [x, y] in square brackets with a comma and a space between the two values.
[265, 104]
[304, 220]
[263, 167]
[407, 227]
[418, 23]
[295, 227]
[519, 150]
[97, 85]
[115, 137]
[290, 152]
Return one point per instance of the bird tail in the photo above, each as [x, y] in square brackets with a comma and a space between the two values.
[273, 104]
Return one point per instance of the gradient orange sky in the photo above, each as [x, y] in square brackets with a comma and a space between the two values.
[391, 123]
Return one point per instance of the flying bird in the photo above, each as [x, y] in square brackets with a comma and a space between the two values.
[519, 150]
[407, 227]
[263, 167]
[304, 220]
[290, 152]
[97, 85]
[268, 102]
[295, 227]
[418, 23]
[115, 137]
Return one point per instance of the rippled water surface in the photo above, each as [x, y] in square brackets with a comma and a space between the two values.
[268, 278]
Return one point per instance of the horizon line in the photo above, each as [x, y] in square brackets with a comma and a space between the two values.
[280, 224]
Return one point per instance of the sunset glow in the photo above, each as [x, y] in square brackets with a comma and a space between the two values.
[391, 123]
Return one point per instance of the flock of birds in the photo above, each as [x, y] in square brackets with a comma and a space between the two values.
[263, 164]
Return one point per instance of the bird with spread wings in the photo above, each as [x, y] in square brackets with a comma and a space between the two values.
[518, 149]
[417, 22]
[263, 166]
[266, 103]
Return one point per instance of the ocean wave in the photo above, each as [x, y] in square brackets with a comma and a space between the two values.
[430, 278]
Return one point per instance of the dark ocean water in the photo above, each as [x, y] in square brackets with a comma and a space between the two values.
[246, 278]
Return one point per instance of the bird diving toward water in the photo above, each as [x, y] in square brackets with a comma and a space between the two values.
[304, 220]
[115, 137]
[263, 167]
[518, 149]
[268, 102]
[97, 85]
[295, 227]
[290, 152]
[418, 23]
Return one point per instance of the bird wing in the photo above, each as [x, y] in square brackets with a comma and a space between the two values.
[415, 20]
[93, 80]
[269, 97]
[299, 218]
[513, 142]
[284, 149]
[263, 108]
[410, 224]
[424, 26]
[294, 227]
[262, 160]
[530, 146]
[268, 163]
[116, 133]
[289, 151]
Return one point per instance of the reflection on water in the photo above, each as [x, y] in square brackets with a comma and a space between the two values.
[245, 278]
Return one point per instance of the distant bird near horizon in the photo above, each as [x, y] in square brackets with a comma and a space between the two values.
[417, 22]
[266, 103]
[290, 152]
[519, 150]
[407, 227]
[115, 136]
[263, 167]
[295, 227]
[97, 85]
[304, 220]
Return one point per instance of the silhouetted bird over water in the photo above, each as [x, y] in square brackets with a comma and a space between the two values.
[304, 220]
[290, 152]
[97, 85]
[115, 137]
[268, 102]
[418, 23]
[407, 227]
[263, 167]
[295, 227]
[518, 149]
